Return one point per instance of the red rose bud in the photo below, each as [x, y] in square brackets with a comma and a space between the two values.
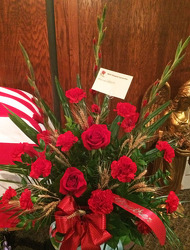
[94, 40]
[101, 201]
[156, 82]
[95, 68]
[90, 121]
[172, 202]
[38, 118]
[146, 115]
[73, 182]
[99, 55]
[144, 103]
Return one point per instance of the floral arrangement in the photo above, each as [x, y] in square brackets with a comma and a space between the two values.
[88, 178]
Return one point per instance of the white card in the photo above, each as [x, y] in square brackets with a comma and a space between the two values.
[112, 83]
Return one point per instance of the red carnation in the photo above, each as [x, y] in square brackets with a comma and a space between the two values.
[45, 136]
[129, 122]
[101, 201]
[9, 193]
[95, 108]
[40, 167]
[75, 95]
[125, 109]
[95, 137]
[23, 148]
[25, 200]
[66, 141]
[143, 228]
[168, 150]
[124, 169]
[172, 202]
[73, 182]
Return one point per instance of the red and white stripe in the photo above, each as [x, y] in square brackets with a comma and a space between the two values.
[21, 103]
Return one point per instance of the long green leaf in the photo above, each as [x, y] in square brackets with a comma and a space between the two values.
[156, 112]
[51, 116]
[24, 127]
[14, 169]
[63, 99]
[157, 124]
[114, 128]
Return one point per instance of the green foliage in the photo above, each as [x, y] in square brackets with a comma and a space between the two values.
[56, 124]
[28, 130]
[63, 99]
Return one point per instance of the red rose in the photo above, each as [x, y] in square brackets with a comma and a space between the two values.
[129, 122]
[101, 201]
[143, 228]
[25, 200]
[22, 149]
[75, 95]
[66, 141]
[73, 182]
[172, 202]
[125, 109]
[95, 137]
[95, 108]
[124, 169]
[9, 193]
[45, 136]
[168, 150]
[40, 167]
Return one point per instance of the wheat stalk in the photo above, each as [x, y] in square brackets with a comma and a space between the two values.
[123, 145]
[138, 186]
[76, 213]
[146, 189]
[140, 175]
[64, 159]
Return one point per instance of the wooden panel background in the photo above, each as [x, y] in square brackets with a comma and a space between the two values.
[141, 38]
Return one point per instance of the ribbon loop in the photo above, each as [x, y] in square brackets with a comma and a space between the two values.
[88, 230]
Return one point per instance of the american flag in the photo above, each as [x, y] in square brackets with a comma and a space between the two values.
[22, 104]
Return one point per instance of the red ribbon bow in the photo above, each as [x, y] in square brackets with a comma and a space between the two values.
[87, 230]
